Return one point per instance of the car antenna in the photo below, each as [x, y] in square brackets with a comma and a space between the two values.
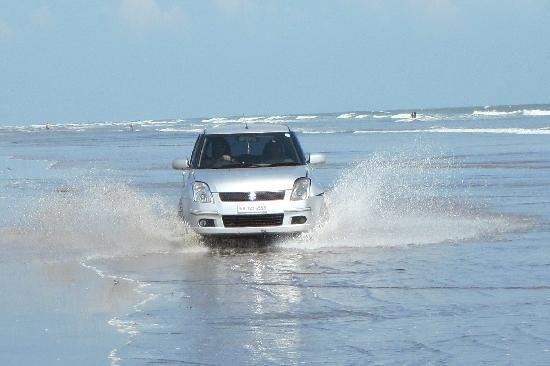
[245, 124]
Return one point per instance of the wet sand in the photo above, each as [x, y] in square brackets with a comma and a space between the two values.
[434, 251]
[59, 313]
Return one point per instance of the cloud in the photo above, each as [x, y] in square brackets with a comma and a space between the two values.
[234, 4]
[435, 7]
[238, 7]
[143, 15]
[42, 17]
[427, 7]
[5, 31]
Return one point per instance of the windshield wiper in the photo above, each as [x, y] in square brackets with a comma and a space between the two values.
[283, 164]
[255, 165]
[240, 165]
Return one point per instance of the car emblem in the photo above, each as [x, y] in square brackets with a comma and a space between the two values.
[252, 196]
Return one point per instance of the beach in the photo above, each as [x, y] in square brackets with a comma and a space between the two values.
[433, 250]
[56, 314]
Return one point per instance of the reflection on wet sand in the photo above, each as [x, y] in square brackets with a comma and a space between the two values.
[280, 306]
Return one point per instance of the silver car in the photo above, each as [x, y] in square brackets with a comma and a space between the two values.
[247, 180]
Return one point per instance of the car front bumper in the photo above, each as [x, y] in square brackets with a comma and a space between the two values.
[308, 208]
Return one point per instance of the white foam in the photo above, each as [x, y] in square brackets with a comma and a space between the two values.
[84, 126]
[322, 132]
[495, 113]
[401, 116]
[190, 130]
[215, 120]
[389, 131]
[124, 326]
[512, 130]
[251, 119]
[275, 118]
[154, 123]
[346, 115]
[254, 119]
[305, 117]
[536, 112]
[419, 118]
[361, 116]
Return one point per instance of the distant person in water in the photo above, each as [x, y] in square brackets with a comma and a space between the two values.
[47, 126]
[413, 114]
[131, 127]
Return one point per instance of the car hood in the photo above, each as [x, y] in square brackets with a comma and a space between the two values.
[250, 179]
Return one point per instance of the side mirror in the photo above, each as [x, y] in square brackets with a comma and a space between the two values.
[316, 158]
[180, 164]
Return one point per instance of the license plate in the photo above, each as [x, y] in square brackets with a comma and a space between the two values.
[251, 208]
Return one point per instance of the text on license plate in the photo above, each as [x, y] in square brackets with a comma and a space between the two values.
[251, 208]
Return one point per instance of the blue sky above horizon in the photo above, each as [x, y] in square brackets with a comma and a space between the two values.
[71, 61]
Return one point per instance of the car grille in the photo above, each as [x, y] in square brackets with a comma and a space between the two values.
[245, 196]
[252, 220]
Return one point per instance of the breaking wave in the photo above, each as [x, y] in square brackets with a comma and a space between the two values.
[512, 130]
[498, 131]
[215, 120]
[402, 116]
[276, 118]
[495, 113]
[189, 130]
[536, 112]
[524, 112]
[346, 115]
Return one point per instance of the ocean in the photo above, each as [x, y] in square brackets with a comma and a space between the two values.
[434, 248]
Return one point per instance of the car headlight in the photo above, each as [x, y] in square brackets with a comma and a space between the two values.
[300, 191]
[201, 193]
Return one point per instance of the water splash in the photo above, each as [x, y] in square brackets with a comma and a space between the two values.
[104, 219]
[396, 200]
[383, 201]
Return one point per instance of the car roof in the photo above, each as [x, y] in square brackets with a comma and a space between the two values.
[246, 128]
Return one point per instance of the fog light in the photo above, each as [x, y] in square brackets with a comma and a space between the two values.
[206, 222]
[298, 220]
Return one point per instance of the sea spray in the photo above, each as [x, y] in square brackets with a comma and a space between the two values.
[387, 200]
[101, 218]
[392, 200]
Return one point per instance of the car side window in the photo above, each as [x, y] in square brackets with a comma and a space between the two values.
[195, 155]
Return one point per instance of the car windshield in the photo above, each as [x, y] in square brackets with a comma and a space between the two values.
[248, 150]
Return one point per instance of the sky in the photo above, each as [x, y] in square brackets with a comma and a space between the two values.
[112, 60]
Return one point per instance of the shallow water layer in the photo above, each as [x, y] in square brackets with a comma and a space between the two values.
[432, 304]
[433, 248]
